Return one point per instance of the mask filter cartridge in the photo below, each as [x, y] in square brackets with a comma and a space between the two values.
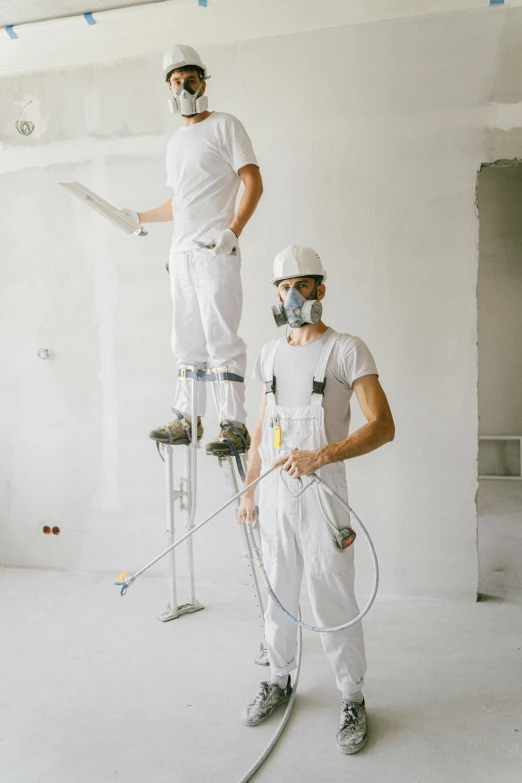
[186, 101]
[296, 311]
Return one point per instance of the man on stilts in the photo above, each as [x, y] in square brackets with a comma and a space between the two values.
[207, 160]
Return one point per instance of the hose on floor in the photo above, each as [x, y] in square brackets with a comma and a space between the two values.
[126, 582]
[284, 720]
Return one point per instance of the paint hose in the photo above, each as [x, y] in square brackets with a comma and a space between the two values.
[125, 582]
[259, 561]
[286, 716]
[284, 720]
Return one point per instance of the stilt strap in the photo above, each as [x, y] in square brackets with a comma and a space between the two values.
[226, 424]
[199, 375]
[219, 375]
[184, 423]
[222, 376]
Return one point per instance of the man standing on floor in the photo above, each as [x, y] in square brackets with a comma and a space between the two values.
[309, 377]
[207, 159]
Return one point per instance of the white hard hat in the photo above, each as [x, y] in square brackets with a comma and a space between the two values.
[297, 261]
[180, 56]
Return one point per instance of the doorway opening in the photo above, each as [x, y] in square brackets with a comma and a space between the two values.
[499, 292]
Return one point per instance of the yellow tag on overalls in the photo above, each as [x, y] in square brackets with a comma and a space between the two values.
[277, 436]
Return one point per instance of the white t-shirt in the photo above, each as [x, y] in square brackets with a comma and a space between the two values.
[202, 164]
[295, 367]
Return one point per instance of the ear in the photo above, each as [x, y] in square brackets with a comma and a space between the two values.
[203, 88]
[321, 291]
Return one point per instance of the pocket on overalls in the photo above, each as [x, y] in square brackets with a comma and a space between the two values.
[335, 516]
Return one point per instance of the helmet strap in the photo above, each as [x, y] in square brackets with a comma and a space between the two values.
[313, 295]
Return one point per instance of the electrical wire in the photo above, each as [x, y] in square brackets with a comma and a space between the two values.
[24, 127]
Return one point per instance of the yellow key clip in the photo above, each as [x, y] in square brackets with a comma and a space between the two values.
[277, 433]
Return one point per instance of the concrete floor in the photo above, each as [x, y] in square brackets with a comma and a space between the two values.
[499, 506]
[96, 690]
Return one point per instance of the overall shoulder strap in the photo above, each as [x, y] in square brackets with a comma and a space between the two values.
[270, 381]
[319, 382]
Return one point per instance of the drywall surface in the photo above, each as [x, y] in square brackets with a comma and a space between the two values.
[369, 154]
[500, 300]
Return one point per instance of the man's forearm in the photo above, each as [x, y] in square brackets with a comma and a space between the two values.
[247, 206]
[161, 214]
[371, 436]
[254, 460]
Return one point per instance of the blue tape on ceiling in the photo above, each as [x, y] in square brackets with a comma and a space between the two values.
[89, 18]
[203, 3]
[496, 2]
[10, 31]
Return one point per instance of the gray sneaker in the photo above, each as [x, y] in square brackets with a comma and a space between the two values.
[269, 698]
[353, 727]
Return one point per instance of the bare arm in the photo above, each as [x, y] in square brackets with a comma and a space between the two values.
[378, 430]
[251, 179]
[246, 510]
[161, 214]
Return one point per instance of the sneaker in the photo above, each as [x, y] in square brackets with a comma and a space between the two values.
[353, 727]
[239, 437]
[269, 698]
[179, 431]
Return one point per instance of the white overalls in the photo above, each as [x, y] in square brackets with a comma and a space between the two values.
[297, 535]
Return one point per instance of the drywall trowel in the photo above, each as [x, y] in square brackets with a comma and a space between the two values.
[103, 208]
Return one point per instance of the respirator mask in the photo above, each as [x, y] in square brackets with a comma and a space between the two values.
[186, 101]
[296, 311]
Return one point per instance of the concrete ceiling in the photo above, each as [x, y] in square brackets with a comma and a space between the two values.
[15, 12]
[135, 28]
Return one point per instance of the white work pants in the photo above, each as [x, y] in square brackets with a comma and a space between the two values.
[297, 539]
[208, 301]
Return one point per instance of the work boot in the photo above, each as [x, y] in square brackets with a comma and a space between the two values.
[353, 727]
[230, 440]
[269, 698]
[176, 433]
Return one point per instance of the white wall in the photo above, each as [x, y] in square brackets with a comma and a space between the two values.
[383, 186]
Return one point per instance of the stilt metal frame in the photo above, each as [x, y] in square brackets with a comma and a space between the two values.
[185, 493]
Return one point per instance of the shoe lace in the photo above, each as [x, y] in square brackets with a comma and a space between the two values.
[349, 716]
[262, 695]
[227, 425]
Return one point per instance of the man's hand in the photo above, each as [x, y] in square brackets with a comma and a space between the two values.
[300, 463]
[247, 509]
[224, 243]
[133, 216]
